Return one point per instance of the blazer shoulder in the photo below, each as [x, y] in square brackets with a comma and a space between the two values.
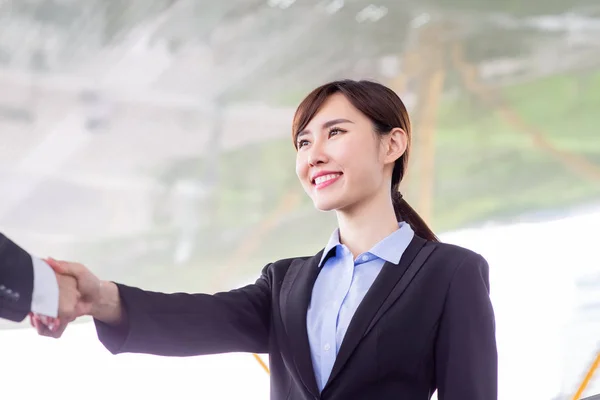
[279, 269]
[289, 261]
[448, 259]
[284, 264]
[457, 254]
[461, 265]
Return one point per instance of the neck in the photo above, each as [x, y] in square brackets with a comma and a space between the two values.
[367, 224]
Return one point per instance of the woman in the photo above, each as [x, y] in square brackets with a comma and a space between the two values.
[384, 311]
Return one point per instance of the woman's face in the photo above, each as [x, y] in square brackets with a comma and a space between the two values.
[341, 161]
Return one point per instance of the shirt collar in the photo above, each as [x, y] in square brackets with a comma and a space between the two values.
[389, 249]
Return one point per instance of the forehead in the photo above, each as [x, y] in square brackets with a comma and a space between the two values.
[336, 106]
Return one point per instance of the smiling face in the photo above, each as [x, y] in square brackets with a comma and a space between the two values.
[341, 160]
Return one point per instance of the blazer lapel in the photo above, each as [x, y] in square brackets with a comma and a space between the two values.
[378, 299]
[412, 270]
[296, 291]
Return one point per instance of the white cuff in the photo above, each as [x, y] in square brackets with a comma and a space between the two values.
[45, 289]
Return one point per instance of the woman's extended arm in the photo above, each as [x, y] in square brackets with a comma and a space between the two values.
[132, 320]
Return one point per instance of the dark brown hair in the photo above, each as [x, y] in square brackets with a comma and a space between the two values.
[385, 109]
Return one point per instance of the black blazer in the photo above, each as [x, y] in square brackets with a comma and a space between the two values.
[425, 324]
[16, 280]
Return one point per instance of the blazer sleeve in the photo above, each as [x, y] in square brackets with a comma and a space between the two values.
[182, 324]
[466, 357]
[16, 281]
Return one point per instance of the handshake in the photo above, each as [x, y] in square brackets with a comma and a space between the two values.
[79, 294]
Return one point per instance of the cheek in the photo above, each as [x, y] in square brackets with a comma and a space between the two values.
[301, 168]
[364, 167]
[344, 155]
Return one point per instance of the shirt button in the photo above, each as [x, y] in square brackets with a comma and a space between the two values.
[365, 257]
[326, 347]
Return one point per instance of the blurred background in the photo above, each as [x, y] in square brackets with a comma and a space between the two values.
[148, 139]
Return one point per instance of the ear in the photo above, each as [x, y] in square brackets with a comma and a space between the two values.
[395, 145]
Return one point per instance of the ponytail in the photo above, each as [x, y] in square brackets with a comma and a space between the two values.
[404, 212]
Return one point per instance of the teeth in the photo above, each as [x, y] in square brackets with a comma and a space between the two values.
[325, 178]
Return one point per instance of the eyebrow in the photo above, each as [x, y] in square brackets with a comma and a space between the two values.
[326, 125]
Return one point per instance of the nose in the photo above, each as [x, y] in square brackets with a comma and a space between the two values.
[317, 154]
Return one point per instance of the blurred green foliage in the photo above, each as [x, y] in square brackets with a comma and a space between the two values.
[485, 168]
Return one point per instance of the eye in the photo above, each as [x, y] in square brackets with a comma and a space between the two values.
[334, 131]
[302, 143]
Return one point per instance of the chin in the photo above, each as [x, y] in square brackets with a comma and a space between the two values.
[327, 205]
[324, 209]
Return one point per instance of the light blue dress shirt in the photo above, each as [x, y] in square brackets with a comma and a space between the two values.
[340, 287]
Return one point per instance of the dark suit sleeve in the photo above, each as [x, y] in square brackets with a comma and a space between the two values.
[16, 281]
[182, 324]
[466, 357]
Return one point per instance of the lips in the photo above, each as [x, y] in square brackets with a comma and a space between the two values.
[325, 178]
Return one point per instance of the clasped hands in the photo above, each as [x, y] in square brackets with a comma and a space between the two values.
[79, 292]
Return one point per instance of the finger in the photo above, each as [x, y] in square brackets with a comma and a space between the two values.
[51, 323]
[40, 327]
[43, 330]
[44, 319]
[54, 324]
[56, 265]
[54, 330]
[37, 321]
[32, 320]
[63, 267]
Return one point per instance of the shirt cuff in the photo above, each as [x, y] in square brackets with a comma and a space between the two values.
[45, 289]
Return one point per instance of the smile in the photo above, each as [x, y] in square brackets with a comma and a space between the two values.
[326, 180]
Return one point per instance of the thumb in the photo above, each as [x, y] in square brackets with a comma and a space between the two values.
[60, 267]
